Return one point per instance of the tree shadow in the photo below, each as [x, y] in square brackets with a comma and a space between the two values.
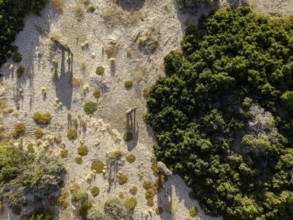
[63, 85]
[130, 5]
[176, 188]
[132, 126]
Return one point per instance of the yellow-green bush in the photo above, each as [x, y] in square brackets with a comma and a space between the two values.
[97, 166]
[82, 150]
[42, 118]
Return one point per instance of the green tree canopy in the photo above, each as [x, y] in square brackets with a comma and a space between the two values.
[222, 114]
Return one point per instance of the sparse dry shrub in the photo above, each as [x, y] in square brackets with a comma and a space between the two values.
[122, 178]
[20, 71]
[82, 150]
[64, 153]
[91, 9]
[193, 211]
[146, 92]
[78, 10]
[72, 134]
[1, 206]
[121, 195]
[97, 166]
[19, 129]
[95, 191]
[42, 118]
[115, 154]
[39, 133]
[111, 50]
[154, 165]
[159, 210]
[75, 81]
[61, 199]
[150, 202]
[130, 203]
[57, 4]
[133, 190]
[130, 158]
[78, 160]
[97, 94]
[147, 185]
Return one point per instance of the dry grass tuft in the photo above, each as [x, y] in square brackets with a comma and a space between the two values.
[57, 4]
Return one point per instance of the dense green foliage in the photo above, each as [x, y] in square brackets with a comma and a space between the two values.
[12, 13]
[22, 173]
[223, 114]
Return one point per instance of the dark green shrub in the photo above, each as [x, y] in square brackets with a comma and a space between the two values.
[82, 150]
[95, 191]
[128, 84]
[128, 136]
[42, 118]
[100, 70]
[90, 107]
[72, 134]
[17, 57]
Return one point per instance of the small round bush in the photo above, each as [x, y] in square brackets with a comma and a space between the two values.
[91, 9]
[82, 150]
[17, 57]
[130, 158]
[100, 70]
[193, 211]
[72, 134]
[97, 166]
[39, 133]
[128, 136]
[128, 84]
[147, 185]
[159, 210]
[42, 118]
[122, 178]
[64, 153]
[95, 191]
[78, 160]
[19, 129]
[133, 190]
[90, 107]
[130, 203]
[97, 94]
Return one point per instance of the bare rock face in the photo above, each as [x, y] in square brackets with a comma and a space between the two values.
[163, 168]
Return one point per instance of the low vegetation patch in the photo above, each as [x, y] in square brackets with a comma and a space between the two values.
[97, 166]
[82, 150]
[97, 94]
[130, 158]
[130, 203]
[95, 191]
[42, 118]
[128, 84]
[90, 107]
[39, 133]
[19, 130]
[128, 136]
[78, 160]
[72, 134]
[122, 178]
[100, 70]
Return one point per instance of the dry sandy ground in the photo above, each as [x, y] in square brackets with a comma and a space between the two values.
[104, 129]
